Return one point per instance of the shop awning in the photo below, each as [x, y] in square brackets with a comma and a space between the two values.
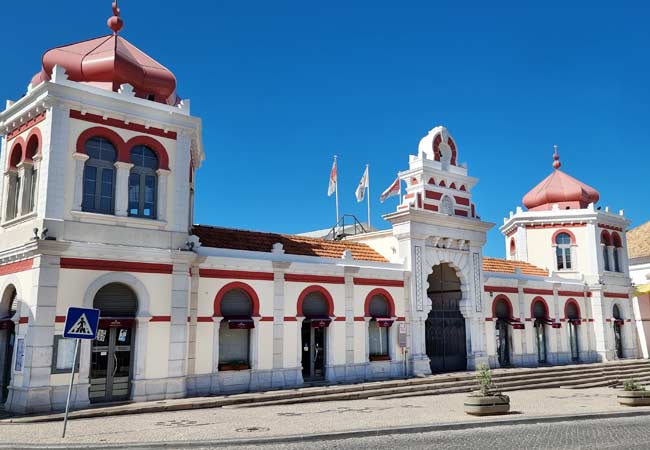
[642, 289]
[320, 322]
[240, 324]
[384, 323]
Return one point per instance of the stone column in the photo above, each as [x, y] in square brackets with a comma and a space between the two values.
[601, 327]
[300, 380]
[34, 395]
[139, 388]
[178, 330]
[123, 169]
[351, 373]
[79, 162]
[161, 200]
[278, 376]
[215, 386]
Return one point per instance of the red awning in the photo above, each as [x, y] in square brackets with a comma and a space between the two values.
[116, 322]
[241, 324]
[384, 323]
[320, 323]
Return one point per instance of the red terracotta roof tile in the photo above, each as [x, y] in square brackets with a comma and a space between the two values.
[256, 241]
[504, 266]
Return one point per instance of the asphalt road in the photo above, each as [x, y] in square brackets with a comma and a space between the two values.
[624, 434]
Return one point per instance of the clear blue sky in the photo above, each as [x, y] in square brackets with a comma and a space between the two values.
[282, 86]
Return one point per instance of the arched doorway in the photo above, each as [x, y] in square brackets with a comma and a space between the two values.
[503, 313]
[573, 319]
[8, 307]
[540, 314]
[316, 309]
[618, 338]
[445, 325]
[111, 367]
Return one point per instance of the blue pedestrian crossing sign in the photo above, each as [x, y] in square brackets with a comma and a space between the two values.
[81, 323]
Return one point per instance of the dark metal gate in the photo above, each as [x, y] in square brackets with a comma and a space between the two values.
[445, 325]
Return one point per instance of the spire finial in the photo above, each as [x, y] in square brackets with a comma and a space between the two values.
[556, 158]
[115, 22]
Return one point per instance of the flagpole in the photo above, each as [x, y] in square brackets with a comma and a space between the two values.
[336, 191]
[368, 186]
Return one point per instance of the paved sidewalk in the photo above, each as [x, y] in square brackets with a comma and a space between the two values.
[245, 422]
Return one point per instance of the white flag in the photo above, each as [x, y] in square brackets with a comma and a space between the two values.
[393, 189]
[333, 180]
[363, 184]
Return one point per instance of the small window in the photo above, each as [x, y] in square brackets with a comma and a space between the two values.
[63, 355]
[563, 251]
[378, 338]
[513, 249]
[604, 241]
[378, 328]
[143, 182]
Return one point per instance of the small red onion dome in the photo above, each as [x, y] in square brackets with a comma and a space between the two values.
[560, 189]
[110, 61]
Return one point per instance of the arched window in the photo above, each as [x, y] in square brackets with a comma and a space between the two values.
[143, 182]
[447, 205]
[616, 242]
[99, 176]
[563, 251]
[31, 177]
[234, 331]
[616, 312]
[513, 249]
[14, 182]
[605, 243]
[378, 328]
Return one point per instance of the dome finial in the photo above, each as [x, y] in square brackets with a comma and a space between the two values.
[556, 158]
[115, 23]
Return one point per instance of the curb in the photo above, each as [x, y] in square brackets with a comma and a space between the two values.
[331, 436]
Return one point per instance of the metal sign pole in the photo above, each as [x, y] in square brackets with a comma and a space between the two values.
[67, 403]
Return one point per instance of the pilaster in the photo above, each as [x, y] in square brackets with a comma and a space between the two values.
[122, 171]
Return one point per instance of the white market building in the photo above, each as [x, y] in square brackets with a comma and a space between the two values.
[100, 158]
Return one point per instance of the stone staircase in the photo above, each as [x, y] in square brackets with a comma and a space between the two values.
[572, 377]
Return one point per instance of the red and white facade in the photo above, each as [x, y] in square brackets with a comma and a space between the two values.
[100, 157]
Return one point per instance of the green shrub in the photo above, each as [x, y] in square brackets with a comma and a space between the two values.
[632, 385]
[485, 384]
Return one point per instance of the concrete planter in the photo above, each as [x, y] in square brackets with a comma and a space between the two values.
[634, 398]
[487, 405]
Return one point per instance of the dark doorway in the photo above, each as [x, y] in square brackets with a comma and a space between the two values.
[502, 329]
[541, 317]
[618, 338]
[111, 366]
[313, 351]
[573, 319]
[7, 338]
[445, 325]
[314, 329]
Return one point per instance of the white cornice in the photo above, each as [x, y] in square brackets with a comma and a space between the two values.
[268, 256]
[564, 216]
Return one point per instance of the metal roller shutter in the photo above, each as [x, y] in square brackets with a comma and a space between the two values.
[116, 300]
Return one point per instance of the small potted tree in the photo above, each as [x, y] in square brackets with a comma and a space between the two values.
[488, 400]
[633, 394]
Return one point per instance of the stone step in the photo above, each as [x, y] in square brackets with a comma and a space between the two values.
[435, 385]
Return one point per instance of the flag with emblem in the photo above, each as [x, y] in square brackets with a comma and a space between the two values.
[363, 185]
[393, 189]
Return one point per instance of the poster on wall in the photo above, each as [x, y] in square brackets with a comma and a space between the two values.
[20, 353]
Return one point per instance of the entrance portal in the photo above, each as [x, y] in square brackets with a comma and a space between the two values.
[618, 339]
[314, 330]
[112, 350]
[445, 325]
[503, 314]
[573, 316]
[541, 317]
[7, 338]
